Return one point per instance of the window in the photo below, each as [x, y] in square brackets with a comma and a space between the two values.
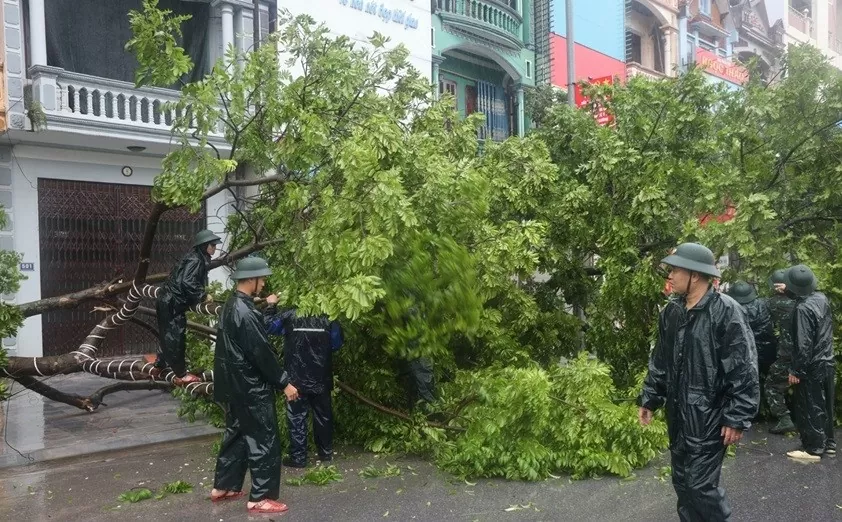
[265, 23]
[448, 87]
[528, 69]
[634, 48]
[704, 7]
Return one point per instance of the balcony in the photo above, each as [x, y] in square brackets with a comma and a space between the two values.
[494, 20]
[635, 69]
[96, 104]
[801, 21]
[669, 4]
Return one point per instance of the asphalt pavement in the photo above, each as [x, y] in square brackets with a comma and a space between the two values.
[762, 484]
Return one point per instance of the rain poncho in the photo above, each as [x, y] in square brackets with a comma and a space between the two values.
[777, 382]
[704, 371]
[419, 380]
[760, 321]
[781, 308]
[184, 288]
[247, 375]
[813, 363]
[309, 343]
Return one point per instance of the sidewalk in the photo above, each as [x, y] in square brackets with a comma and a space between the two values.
[41, 429]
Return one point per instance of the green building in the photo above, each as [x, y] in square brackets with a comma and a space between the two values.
[483, 55]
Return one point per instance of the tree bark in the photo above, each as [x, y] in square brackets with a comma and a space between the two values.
[93, 401]
[77, 401]
[106, 290]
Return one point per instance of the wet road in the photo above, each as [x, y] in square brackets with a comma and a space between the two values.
[762, 485]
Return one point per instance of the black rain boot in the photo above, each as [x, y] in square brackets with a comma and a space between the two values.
[784, 425]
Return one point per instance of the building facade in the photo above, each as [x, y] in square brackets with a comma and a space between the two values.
[483, 56]
[600, 44]
[652, 38]
[76, 179]
[706, 37]
[757, 38]
[404, 22]
[814, 22]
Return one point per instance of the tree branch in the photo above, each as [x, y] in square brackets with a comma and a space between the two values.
[105, 290]
[202, 329]
[95, 399]
[782, 163]
[793, 222]
[389, 411]
[77, 401]
[241, 183]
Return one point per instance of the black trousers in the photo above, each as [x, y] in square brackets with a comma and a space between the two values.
[172, 329]
[297, 412]
[250, 441]
[814, 399]
[695, 477]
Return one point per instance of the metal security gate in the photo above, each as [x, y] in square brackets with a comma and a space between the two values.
[91, 233]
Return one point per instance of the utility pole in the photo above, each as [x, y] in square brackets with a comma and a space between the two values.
[571, 100]
[571, 55]
[256, 24]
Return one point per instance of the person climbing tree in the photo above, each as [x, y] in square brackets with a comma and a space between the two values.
[184, 288]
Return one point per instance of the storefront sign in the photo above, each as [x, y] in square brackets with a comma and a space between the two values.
[720, 67]
[600, 113]
[398, 16]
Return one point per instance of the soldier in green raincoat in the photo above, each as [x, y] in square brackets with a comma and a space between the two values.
[247, 375]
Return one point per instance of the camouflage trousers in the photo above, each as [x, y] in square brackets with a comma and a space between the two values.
[777, 385]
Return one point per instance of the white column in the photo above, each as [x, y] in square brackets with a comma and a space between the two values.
[520, 112]
[37, 32]
[227, 11]
[238, 28]
[669, 59]
[821, 25]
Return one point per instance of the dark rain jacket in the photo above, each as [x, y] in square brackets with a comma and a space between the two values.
[185, 286]
[812, 334]
[782, 308]
[246, 368]
[309, 343]
[760, 321]
[704, 370]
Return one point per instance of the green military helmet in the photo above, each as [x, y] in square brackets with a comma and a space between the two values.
[743, 292]
[695, 258]
[206, 237]
[800, 280]
[250, 268]
[777, 277]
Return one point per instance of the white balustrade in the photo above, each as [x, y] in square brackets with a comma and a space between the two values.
[93, 99]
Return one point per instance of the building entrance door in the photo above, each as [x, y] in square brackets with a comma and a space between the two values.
[91, 233]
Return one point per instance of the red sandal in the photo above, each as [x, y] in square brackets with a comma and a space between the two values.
[227, 496]
[268, 506]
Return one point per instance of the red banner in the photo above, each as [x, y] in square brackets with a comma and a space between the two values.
[721, 67]
[601, 114]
